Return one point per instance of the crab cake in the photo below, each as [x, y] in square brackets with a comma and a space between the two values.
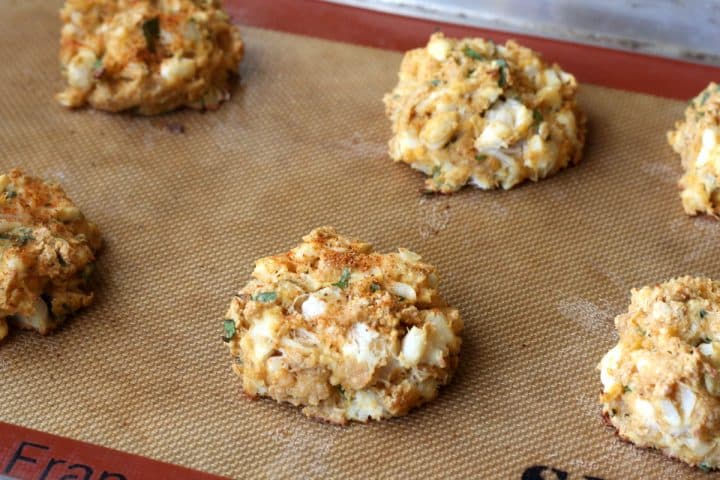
[661, 386]
[343, 331]
[697, 140]
[472, 111]
[48, 249]
[150, 56]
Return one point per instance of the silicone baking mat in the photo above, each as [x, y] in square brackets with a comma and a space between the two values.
[537, 272]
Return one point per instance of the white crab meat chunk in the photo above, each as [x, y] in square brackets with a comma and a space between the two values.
[504, 121]
[365, 404]
[261, 336]
[360, 344]
[709, 149]
[313, 307]
[608, 365]
[80, 69]
[38, 320]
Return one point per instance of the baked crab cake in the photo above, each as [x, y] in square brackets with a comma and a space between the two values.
[697, 140]
[150, 56]
[661, 386]
[48, 248]
[343, 331]
[470, 111]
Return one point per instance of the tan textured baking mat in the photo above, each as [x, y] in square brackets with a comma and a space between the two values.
[538, 272]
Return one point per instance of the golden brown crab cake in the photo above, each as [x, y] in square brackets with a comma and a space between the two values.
[697, 140]
[151, 56]
[661, 386]
[470, 111]
[343, 331]
[48, 248]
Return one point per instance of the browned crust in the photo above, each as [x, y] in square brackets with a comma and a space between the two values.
[606, 420]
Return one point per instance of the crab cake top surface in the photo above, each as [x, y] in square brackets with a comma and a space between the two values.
[48, 248]
[661, 386]
[345, 332]
[697, 140]
[471, 111]
[148, 56]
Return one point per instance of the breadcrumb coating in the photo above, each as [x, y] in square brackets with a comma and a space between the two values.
[470, 111]
[697, 140]
[149, 56]
[48, 248]
[343, 331]
[661, 386]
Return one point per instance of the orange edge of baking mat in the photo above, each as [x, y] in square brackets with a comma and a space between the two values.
[30, 454]
[597, 65]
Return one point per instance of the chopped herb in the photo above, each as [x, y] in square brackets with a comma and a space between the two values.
[704, 97]
[434, 82]
[627, 389]
[265, 297]
[537, 117]
[151, 30]
[480, 157]
[705, 467]
[229, 327]
[502, 81]
[344, 279]
[374, 287]
[703, 313]
[10, 194]
[18, 237]
[98, 68]
[640, 331]
[472, 53]
[87, 272]
[341, 390]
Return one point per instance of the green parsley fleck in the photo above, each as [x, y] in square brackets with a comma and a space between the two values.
[704, 97]
[151, 30]
[472, 53]
[10, 194]
[705, 467]
[87, 272]
[627, 389]
[537, 117]
[434, 82]
[374, 287]
[341, 390]
[480, 157]
[703, 313]
[502, 81]
[344, 279]
[640, 331]
[229, 327]
[18, 237]
[265, 297]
